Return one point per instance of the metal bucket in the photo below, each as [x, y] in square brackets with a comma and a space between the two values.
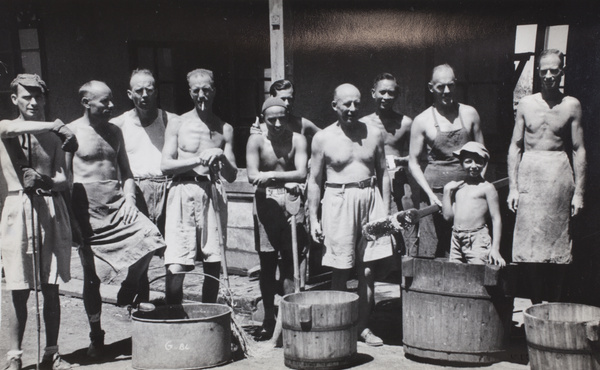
[188, 336]
[319, 329]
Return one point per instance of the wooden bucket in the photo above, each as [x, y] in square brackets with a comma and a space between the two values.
[319, 329]
[563, 336]
[455, 312]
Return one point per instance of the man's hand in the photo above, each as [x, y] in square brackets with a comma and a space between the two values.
[33, 180]
[263, 179]
[453, 185]
[495, 258]
[69, 141]
[129, 211]
[255, 128]
[433, 199]
[211, 156]
[316, 232]
[513, 200]
[576, 204]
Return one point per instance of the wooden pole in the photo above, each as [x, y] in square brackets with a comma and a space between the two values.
[276, 32]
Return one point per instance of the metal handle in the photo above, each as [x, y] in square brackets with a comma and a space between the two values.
[592, 329]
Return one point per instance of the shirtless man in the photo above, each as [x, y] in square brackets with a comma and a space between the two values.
[350, 155]
[444, 127]
[275, 162]
[196, 143]
[103, 201]
[35, 177]
[396, 134]
[284, 90]
[143, 129]
[542, 191]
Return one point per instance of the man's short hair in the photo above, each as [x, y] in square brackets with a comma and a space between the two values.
[86, 89]
[201, 72]
[440, 67]
[28, 80]
[280, 85]
[556, 52]
[140, 71]
[384, 76]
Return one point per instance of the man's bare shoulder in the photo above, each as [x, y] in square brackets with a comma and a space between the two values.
[79, 122]
[529, 99]
[571, 102]
[467, 110]
[326, 134]
[227, 128]
[423, 119]
[371, 119]
[122, 118]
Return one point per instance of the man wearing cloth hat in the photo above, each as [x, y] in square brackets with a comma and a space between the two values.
[470, 203]
[543, 191]
[276, 161]
[33, 165]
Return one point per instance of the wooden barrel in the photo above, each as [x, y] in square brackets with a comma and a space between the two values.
[319, 329]
[563, 336]
[455, 312]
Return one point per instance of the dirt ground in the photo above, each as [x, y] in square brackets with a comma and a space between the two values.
[386, 322]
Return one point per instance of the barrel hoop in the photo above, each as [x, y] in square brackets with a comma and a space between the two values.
[435, 292]
[404, 343]
[560, 350]
[322, 360]
[318, 329]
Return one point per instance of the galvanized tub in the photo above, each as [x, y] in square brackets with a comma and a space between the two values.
[319, 329]
[188, 336]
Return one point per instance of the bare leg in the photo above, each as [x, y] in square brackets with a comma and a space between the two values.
[339, 278]
[92, 301]
[136, 282]
[17, 318]
[268, 288]
[366, 300]
[51, 313]
[210, 287]
[174, 284]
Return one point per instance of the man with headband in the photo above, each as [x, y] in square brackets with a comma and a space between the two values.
[276, 162]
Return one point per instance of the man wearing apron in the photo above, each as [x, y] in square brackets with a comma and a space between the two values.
[444, 127]
[543, 191]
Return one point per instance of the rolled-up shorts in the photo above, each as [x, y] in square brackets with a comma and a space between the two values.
[53, 235]
[191, 230]
[344, 212]
[470, 246]
[273, 231]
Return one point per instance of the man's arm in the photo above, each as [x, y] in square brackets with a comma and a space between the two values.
[417, 142]
[59, 169]
[19, 127]
[315, 183]
[476, 128]
[253, 157]
[228, 166]
[447, 205]
[579, 160]
[515, 152]
[309, 129]
[491, 196]
[383, 179]
[129, 210]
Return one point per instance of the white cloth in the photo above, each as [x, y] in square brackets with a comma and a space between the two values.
[143, 144]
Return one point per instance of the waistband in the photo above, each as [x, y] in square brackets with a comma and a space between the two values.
[484, 226]
[38, 192]
[366, 183]
[271, 190]
[154, 178]
[188, 178]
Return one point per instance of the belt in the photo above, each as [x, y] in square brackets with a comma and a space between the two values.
[153, 178]
[36, 192]
[184, 178]
[366, 183]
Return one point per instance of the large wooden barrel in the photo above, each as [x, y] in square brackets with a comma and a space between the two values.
[455, 312]
[563, 336]
[319, 329]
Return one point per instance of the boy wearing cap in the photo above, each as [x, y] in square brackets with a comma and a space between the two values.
[275, 162]
[470, 202]
[33, 165]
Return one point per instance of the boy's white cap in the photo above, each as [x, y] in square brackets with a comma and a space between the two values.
[473, 147]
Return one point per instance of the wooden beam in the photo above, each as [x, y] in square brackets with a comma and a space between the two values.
[276, 32]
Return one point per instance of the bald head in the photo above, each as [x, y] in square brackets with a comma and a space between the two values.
[441, 71]
[92, 88]
[346, 103]
[96, 97]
